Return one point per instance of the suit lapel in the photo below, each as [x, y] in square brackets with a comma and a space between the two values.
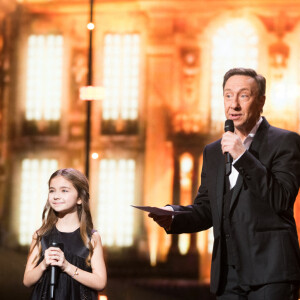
[254, 149]
[259, 139]
[236, 190]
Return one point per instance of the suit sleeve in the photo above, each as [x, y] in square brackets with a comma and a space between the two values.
[200, 217]
[277, 181]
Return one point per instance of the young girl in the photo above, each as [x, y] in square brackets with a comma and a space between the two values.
[67, 221]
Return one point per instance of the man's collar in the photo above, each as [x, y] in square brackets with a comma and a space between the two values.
[255, 128]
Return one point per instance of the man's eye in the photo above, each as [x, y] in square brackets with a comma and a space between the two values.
[244, 96]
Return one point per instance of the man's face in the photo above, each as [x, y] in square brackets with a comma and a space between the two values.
[241, 102]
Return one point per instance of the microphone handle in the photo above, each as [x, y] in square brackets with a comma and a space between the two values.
[51, 291]
[53, 275]
[227, 169]
[228, 164]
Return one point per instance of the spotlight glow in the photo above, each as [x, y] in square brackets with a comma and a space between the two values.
[90, 26]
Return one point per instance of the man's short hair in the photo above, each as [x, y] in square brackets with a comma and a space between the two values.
[260, 80]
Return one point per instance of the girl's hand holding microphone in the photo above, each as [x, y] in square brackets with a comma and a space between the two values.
[54, 256]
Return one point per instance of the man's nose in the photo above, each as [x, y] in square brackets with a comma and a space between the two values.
[235, 102]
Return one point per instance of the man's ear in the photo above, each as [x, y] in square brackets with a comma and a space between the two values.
[261, 102]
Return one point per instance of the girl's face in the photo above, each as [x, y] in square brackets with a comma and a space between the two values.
[63, 197]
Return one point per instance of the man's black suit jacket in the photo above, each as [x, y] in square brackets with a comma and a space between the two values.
[261, 209]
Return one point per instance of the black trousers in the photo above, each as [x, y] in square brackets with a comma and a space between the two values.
[231, 290]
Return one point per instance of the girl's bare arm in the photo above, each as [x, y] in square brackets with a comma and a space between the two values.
[33, 272]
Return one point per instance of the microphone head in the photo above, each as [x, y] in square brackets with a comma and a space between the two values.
[58, 245]
[229, 126]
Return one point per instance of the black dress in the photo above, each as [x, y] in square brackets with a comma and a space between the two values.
[67, 288]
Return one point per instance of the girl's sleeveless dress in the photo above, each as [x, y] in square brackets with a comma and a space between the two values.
[67, 288]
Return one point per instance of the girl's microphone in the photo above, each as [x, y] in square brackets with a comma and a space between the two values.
[53, 275]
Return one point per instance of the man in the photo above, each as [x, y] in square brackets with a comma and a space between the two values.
[256, 251]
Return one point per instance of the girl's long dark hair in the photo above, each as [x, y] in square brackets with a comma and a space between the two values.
[49, 217]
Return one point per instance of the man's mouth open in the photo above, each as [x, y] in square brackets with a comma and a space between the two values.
[235, 116]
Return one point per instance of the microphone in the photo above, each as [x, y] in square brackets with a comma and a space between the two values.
[228, 126]
[53, 275]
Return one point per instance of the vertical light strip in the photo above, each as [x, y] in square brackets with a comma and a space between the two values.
[44, 77]
[117, 193]
[210, 240]
[121, 76]
[233, 45]
[186, 174]
[35, 174]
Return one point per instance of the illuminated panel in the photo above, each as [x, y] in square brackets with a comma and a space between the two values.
[121, 76]
[44, 77]
[35, 174]
[282, 89]
[233, 45]
[117, 190]
[186, 173]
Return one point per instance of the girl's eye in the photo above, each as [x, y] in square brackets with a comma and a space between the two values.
[51, 191]
[64, 191]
